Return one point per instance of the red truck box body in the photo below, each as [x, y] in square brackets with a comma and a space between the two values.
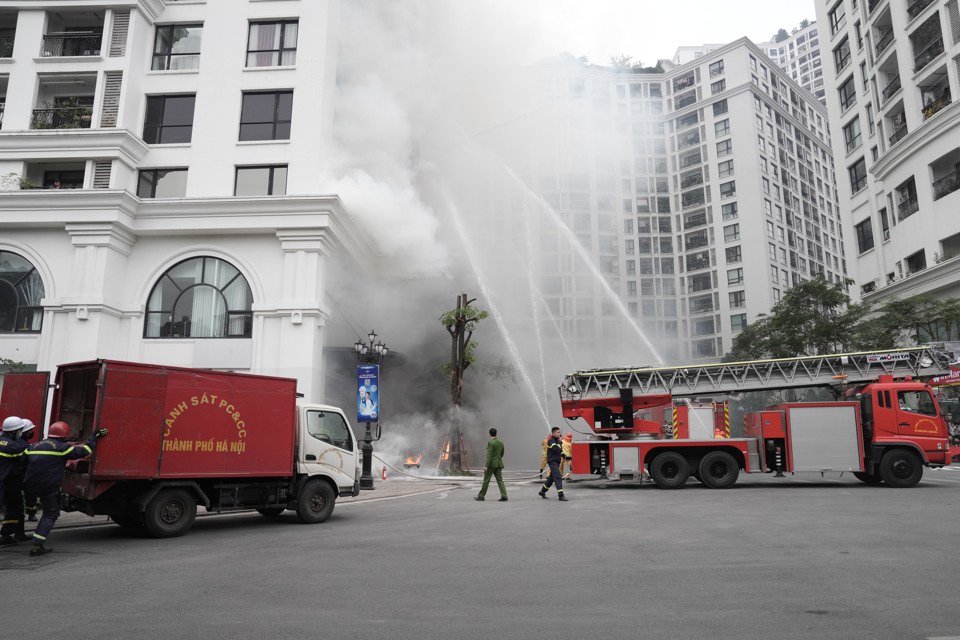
[167, 422]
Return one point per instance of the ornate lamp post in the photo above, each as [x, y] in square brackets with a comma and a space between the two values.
[372, 352]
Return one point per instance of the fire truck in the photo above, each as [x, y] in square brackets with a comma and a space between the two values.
[670, 423]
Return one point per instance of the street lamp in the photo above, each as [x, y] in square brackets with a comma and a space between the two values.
[372, 352]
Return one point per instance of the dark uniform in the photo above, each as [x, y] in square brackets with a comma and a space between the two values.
[554, 456]
[11, 477]
[46, 461]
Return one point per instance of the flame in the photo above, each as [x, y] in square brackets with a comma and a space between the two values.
[412, 461]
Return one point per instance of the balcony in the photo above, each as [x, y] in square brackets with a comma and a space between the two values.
[898, 135]
[686, 100]
[692, 180]
[936, 105]
[946, 185]
[892, 87]
[62, 117]
[907, 206]
[928, 53]
[692, 199]
[916, 7]
[691, 160]
[6, 45]
[683, 83]
[872, 4]
[885, 39]
[689, 140]
[69, 44]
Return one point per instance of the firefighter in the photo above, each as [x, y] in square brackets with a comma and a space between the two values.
[567, 449]
[543, 457]
[11, 475]
[31, 503]
[46, 461]
[554, 456]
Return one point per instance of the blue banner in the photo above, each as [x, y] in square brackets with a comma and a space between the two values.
[368, 395]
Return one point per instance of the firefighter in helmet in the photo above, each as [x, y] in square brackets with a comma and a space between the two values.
[11, 475]
[566, 463]
[31, 503]
[46, 461]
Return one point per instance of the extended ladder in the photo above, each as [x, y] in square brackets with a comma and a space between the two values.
[783, 373]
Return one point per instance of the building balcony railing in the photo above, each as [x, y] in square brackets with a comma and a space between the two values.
[917, 6]
[689, 140]
[938, 104]
[62, 118]
[686, 100]
[691, 181]
[689, 161]
[872, 4]
[885, 39]
[892, 87]
[946, 185]
[682, 83]
[71, 44]
[928, 53]
[898, 135]
[693, 201]
[907, 206]
[6, 46]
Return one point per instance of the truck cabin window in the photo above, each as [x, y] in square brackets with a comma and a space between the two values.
[330, 428]
[917, 402]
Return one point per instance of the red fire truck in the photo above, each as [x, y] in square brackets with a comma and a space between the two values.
[884, 425]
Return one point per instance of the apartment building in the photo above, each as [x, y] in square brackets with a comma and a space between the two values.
[893, 66]
[703, 194]
[798, 55]
[159, 164]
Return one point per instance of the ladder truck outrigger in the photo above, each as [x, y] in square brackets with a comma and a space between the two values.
[883, 427]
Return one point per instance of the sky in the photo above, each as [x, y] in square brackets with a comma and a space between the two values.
[648, 30]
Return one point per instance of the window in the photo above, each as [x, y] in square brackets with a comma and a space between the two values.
[266, 115]
[718, 86]
[169, 119]
[716, 68]
[728, 189]
[202, 297]
[720, 107]
[21, 290]
[725, 168]
[729, 211]
[261, 181]
[858, 175]
[329, 427]
[848, 94]
[272, 44]
[162, 183]
[722, 128]
[917, 402]
[738, 322]
[724, 148]
[864, 235]
[841, 55]
[733, 255]
[837, 17]
[738, 299]
[852, 134]
[177, 46]
[731, 232]
[735, 276]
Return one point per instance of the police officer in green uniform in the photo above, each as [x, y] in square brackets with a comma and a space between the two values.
[493, 467]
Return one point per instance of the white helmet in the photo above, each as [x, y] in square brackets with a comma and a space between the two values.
[28, 425]
[13, 423]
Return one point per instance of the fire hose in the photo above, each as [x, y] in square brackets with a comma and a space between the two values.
[445, 478]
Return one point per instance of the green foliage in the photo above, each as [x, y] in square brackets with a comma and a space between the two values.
[6, 364]
[780, 36]
[470, 315]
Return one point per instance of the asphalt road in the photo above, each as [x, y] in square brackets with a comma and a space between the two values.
[765, 559]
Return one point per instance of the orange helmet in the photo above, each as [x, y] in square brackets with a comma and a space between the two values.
[569, 436]
[59, 430]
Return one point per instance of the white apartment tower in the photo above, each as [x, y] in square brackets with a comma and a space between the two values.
[159, 163]
[703, 193]
[892, 68]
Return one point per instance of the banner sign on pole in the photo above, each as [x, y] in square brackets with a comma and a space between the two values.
[368, 396]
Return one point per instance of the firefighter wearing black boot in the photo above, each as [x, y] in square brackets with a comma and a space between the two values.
[46, 461]
[11, 474]
[554, 456]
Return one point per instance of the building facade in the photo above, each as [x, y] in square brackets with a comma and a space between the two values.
[703, 193]
[159, 164]
[892, 68]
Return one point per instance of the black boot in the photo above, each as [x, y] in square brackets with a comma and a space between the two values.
[39, 550]
[563, 498]
[478, 498]
[6, 541]
[502, 499]
[543, 494]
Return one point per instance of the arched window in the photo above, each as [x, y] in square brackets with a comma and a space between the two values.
[21, 290]
[200, 298]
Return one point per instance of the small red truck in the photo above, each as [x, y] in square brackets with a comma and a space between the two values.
[884, 427]
[179, 438]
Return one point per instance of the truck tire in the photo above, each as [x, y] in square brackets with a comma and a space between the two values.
[719, 470]
[867, 478]
[271, 512]
[900, 468]
[170, 514]
[670, 470]
[315, 502]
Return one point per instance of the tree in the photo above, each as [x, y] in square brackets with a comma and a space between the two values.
[804, 23]
[780, 36]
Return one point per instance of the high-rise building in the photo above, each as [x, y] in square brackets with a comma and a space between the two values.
[703, 193]
[798, 54]
[892, 67]
[159, 203]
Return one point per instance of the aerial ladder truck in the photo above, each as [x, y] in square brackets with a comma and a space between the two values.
[883, 425]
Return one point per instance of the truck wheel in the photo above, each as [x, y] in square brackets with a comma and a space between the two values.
[171, 513]
[315, 503]
[670, 470]
[271, 512]
[718, 470]
[867, 478]
[900, 468]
